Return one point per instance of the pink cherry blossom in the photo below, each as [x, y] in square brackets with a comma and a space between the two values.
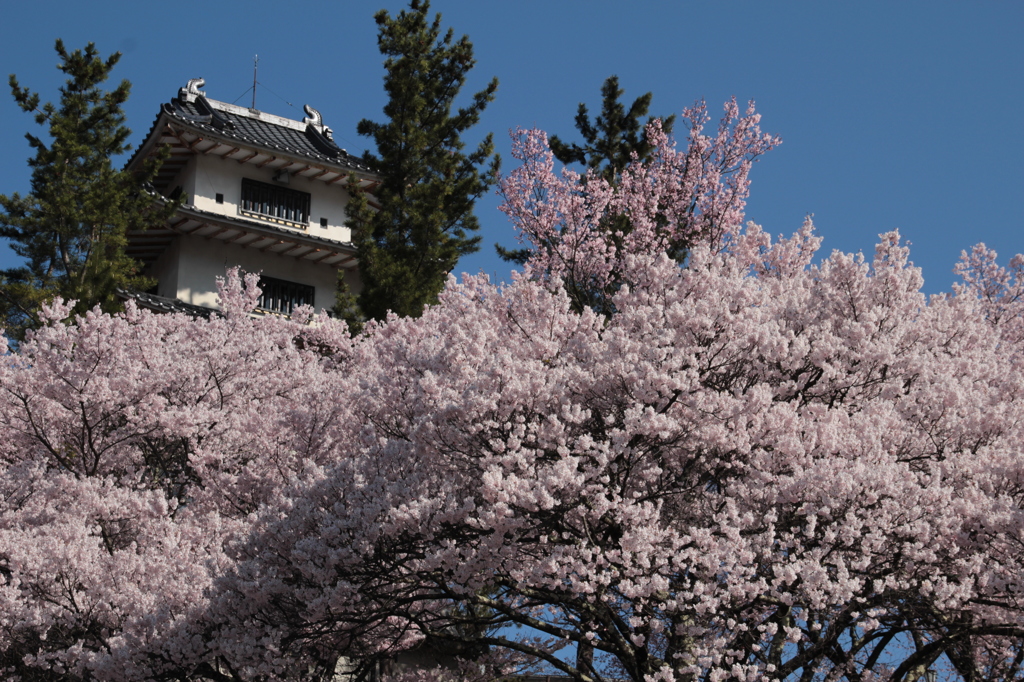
[757, 465]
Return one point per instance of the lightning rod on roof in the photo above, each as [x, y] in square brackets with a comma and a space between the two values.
[255, 62]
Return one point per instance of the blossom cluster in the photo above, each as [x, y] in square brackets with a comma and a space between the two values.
[758, 467]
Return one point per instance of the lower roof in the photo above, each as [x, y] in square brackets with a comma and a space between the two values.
[162, 304]
[146, 246]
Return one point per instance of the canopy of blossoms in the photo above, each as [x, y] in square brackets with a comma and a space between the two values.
[748, 465]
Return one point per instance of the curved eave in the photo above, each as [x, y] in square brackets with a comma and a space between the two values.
[162, 304]
[251, 234]
[185, 141]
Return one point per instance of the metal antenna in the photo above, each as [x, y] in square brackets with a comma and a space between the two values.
[255, 62]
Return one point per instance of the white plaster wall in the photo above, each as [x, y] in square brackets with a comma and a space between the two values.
[165, 271]
[186, 179]
[200, 262]
[213, 174]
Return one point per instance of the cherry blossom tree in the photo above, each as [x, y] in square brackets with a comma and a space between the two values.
[753, 465]
[135, 448]
[758, 467]
[582, 228]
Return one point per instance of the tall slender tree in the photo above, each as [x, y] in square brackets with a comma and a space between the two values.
[420, 219]
[71, 228]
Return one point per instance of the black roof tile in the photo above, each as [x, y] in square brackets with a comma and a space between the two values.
[225, 122]
[162, 304]
[250, 127]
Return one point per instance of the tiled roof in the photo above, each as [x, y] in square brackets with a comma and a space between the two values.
[162, 304]
[250, 127]
[273, 136]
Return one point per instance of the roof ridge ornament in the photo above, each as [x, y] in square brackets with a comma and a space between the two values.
[190, 93]
[314, 119]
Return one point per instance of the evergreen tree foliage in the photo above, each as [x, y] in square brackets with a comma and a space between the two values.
[609, 141]
[71, 228]
[612, 138]
[420, 220]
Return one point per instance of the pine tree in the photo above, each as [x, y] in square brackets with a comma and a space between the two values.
[608, 142]
[71, 228]
[612, 138]
[420, 221]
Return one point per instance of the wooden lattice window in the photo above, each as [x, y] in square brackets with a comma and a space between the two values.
[282, 296]
[278, 203]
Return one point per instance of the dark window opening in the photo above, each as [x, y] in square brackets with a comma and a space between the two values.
[220, 198]
[323, 222]
[278, 203]
[282, 296]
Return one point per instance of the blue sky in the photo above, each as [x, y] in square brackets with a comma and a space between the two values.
[893, 114]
